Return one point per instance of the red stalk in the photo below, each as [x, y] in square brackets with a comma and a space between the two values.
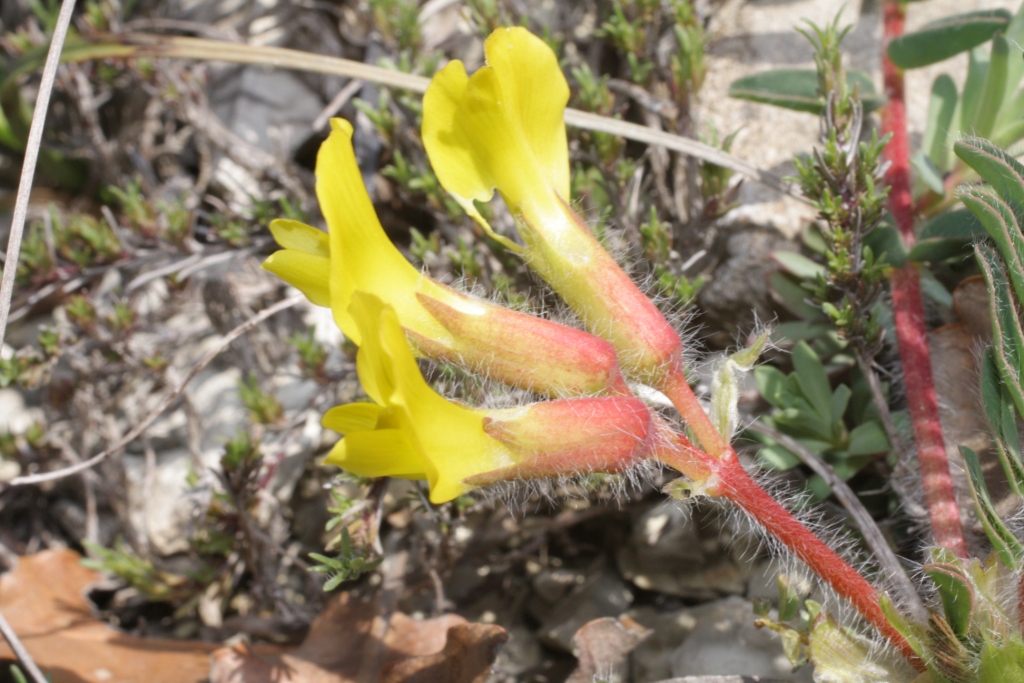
[908, 311]
[677, 389]
[726, 477]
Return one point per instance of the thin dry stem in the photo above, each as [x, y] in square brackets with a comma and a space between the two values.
[28, 665]
[138, 44]
[28, 168]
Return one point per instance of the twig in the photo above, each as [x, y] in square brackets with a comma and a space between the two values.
[166, 402]
[28, 168]
[339, 101]
[861, 517]
[24, 658]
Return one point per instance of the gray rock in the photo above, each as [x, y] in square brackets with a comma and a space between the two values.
[737, 295]
[724, 640]
[603, 594]
[678, 551]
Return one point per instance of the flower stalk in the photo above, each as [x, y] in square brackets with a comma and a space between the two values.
[908, 311]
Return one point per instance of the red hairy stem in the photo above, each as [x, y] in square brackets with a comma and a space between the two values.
[736, 485]
[908, 311]
[676, 387]
[724, 476]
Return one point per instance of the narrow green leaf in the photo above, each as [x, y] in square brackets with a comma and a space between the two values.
[1000, 170]
[914, 633]
[885, 239]
[927, 172]
[1015, 36]
[789, 598]
[977, 74]
[1001, 225]
[1005, 544]
[1007, 335]
[1001, 414]
[840, 399]
[994, 92]
[868, 439]
[945, 38]
[935, 290]
[956, 594]
[1003, 661]
[777, 458]
[794, 297]
[787, 333]
[948, 235]
[812, 378]
[798, 264]
[773, 386]
[797, 89]
[939, 128]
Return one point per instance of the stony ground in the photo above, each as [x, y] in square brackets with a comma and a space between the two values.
[220, 554]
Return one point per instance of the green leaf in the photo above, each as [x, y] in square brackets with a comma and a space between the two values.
[1001, 414]
[868, 439]
[777, 458]
[840, 399]
[935, 290]
[794, 297]
[797, 330]
[1005, 544]
[797, 89]
[789, 598]
[998, 168]
[885, 239]
[960, 225]
[928, 172]
[1002, 661]
[939, 128]
[812, 378]
[956, 593]
[841, 655]
[1015, 36]
[914, 633]
[977, 74]
[773, 386]
[1001, 225]
[994, 92]
[946, 38]
[1007, 335]
[798, 264]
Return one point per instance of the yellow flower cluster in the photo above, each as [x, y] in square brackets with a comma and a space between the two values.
[499, 129]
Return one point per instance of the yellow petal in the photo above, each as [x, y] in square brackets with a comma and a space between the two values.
[534, 86]
[503, 127]
[373, 367]
[295, 235]
[353, 417]
[362, 256]
[450, 438]
[308, 273]
[381, 453]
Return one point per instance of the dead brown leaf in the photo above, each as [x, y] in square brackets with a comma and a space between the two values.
[602, 645]
[466, 658]
[43, 599]
[342, 647]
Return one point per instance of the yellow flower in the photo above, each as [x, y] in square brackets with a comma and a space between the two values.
[410, 431]
[356, 255]
[503, 129]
